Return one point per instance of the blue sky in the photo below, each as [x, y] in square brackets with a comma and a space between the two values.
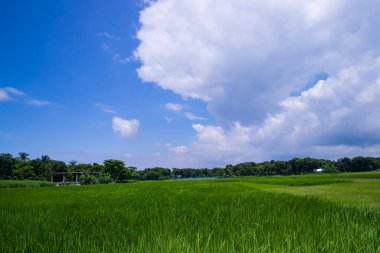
[170, 83]
[55, 52]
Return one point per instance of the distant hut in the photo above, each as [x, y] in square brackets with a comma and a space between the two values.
[318, 171]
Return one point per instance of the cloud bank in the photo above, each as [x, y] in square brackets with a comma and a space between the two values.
[247, 59]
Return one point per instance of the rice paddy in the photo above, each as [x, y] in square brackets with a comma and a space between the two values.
[223, 215]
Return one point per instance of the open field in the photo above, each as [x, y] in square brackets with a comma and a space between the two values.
[351, 189]
[254, 214]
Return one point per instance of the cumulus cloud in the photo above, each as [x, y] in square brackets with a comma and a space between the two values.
[125, 128]
[245, 58]
[173, 107]
[341, 110]
[335, 118]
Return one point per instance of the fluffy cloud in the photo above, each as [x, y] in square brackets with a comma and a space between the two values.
[341, 110]
[337, 117]
[125, 128]
[245, 58]
[173, 107]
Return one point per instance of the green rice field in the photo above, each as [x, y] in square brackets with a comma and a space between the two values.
[313, 213]
[24, 183]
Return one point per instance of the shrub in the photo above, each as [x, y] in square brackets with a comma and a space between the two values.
[88, 179]
[105, 179]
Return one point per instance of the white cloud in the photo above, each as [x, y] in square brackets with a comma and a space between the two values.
[9, 93]
[224, 146]
[119, 59]
[105, 46]
[108, 36]
[125, 128]
[3, 95]
[178, 150]
[335, 118]
[339, 111]
[14, 91]
[105, 108]
[37, 102]
[191, 116]
[168, 120]
[173, 107]
[245, 58]
[128, 155]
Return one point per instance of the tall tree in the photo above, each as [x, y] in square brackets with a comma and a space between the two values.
[114, 167]
[23, 156]
[6, 164]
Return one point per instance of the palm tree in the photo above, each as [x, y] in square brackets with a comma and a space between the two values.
[45, 158]
[23, 156]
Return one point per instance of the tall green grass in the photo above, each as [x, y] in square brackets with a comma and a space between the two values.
[308, 179]
[24, 183]
[185, 216]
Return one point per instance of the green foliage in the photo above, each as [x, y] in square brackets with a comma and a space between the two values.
[329, 168]
[87, 178]
[6, 164]
[44, 168]
[97, 167]
[115, 168]
[156, 173]
[105, 178]
[23, 156]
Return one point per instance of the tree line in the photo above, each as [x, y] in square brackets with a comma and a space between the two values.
[44, 168]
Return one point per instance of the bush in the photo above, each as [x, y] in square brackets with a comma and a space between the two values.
[88, 179]
[105, 179]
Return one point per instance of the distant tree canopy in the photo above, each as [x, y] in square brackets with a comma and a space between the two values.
[22, 167]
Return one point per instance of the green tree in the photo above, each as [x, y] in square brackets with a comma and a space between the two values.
[97, 167]
[41, 168]
[6, 164]
[115, 168]
[105, 178]
[23, 156]
[22, 169]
